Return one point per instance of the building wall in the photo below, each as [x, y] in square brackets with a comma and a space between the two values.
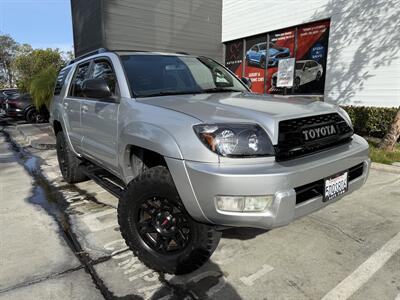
[364, 45]
[87, 24]
[192, 26]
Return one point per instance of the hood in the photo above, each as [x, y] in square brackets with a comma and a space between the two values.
[265, 110]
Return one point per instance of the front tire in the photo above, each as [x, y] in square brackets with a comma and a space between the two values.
[68, 162]
[297, 83]
[157, 227]
[262, 63]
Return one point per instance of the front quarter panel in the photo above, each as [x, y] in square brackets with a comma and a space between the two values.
[164, 131]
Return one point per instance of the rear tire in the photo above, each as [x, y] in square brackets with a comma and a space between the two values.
[158, 229]
[31, 115]
[68, 162]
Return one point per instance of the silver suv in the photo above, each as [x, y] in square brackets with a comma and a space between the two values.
[190, 151]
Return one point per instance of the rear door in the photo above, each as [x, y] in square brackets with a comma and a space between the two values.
[99, 119]
[72, 105]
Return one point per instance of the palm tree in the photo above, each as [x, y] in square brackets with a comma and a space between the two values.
[390, 139]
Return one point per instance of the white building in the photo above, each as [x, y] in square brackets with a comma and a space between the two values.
[363, 52]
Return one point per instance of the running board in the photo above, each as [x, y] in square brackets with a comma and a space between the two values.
[105, 179]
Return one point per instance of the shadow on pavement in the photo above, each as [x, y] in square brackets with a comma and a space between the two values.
[242, 233]
[206, 283]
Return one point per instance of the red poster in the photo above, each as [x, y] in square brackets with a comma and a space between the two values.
[281, 46]
[234, 57]
[312, 48]
[256, 53]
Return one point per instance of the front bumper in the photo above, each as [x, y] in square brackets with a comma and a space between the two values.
[198, 183]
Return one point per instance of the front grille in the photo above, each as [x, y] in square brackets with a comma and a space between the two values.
[292, 142]
[316, 188]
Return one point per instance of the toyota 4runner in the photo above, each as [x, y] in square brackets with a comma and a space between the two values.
[190, 151]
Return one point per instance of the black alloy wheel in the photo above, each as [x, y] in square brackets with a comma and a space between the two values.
[163, 225]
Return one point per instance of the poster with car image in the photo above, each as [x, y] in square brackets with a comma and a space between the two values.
[311, 56]
[255, 59]
[281, 46]
[234, 57]
[285, 72]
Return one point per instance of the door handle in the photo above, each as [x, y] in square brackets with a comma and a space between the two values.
[85, 108]
[65, 105]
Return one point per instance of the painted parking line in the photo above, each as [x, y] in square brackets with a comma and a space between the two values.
[250, 280]
[364, 272]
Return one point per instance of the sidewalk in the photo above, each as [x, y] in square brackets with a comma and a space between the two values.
[36, 262]
[38, 136]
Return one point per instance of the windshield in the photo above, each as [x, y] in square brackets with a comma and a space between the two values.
[299, 65]
[157, 75]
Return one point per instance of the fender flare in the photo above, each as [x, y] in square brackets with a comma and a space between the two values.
[147, 136]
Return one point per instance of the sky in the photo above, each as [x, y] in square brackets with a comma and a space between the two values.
[40, 23]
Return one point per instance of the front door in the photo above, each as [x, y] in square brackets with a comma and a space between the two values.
[72, 106]
[99, 119]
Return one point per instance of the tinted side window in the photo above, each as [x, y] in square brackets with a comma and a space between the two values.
[102, 69]
[308, 64]
[313, 64]
[80, 76]
[61, 80]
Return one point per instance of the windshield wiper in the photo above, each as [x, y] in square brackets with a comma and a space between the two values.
[168, 93]
[221, 90]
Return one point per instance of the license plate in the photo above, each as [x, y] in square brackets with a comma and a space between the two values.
[335, 186]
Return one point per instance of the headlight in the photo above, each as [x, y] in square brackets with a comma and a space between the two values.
[235, 140]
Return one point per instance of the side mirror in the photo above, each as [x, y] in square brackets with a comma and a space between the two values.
[247, 82]
[96, 88]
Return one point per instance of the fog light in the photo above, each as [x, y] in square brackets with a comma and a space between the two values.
[243, 203]
[230, 203]
[257, 203]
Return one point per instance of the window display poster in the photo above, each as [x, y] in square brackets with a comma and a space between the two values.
[281, 46]
[255, 62]
[311, 56]
[285, 72]
[234, 57]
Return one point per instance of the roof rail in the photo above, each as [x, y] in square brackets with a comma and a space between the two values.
[137, 50]
[98, 51]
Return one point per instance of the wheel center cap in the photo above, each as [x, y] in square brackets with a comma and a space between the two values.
[165, 223]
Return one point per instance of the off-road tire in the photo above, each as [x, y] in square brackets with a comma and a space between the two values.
[152, 183]
[68, 162]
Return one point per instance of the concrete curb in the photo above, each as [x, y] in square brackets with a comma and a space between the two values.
[37, 138]
[385, 168]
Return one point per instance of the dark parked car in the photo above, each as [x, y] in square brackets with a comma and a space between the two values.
[20, 106]
[4, 93]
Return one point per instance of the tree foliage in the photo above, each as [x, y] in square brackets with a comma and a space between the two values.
[32, 64]
[42, 86]
[389, 141]
[8, 51]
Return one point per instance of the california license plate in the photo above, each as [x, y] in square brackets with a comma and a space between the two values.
[335, 186]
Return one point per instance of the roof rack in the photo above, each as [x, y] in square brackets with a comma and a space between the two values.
[98, 51]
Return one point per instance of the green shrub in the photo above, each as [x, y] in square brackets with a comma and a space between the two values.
[371, 121]
[42, 86]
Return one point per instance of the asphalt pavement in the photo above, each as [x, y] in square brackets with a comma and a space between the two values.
[61, 241]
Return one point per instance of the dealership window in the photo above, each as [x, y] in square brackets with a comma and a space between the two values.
[287, 61]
